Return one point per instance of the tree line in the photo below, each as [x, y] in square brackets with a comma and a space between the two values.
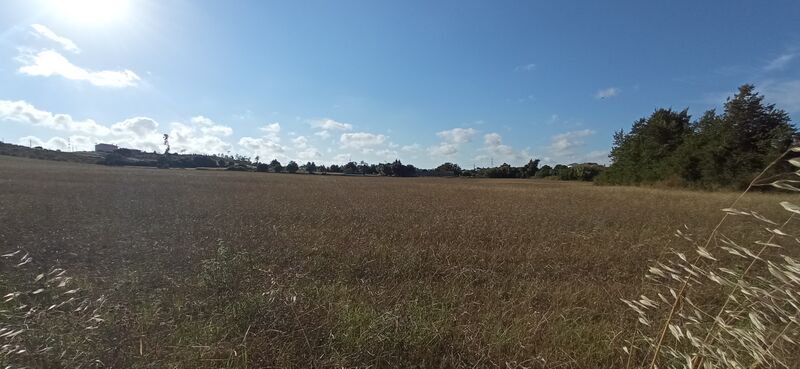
[575, 172]
[716, 150]
[130, 157]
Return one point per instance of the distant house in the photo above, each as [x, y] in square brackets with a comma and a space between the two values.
[101, 147]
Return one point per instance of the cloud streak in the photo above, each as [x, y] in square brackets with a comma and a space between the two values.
[606, 93]
[785, 94]
[66, 44]
[780, 62]
[331, 125]
[525, 67]
[457, 135]
[23, 112]
[200, 135]
[361, 140]
[49, 63]
[564, 144]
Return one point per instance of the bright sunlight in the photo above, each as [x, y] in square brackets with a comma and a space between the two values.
[91, 12]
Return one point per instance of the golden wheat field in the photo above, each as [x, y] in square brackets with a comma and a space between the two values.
[215, 269]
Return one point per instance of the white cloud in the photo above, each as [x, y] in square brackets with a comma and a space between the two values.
[606, 93]
[23, 112]
[67, 44]
[309, 154]
[452, 140]
[565, 143]
[137, 128]
[143, 133]
[217, 130]
[55, 143]
[331, 125]
[50, 63]
[780, 62]
[360, 140]
[492, 139]
[189, 139]
[72, 143]
[271, 132]
[268, 146]
[327, 125]
[202, 121]
[412, 147]
[597, 156]
[272, 128]
[387, 154]
[261, 146]
[300, 142]
[210, 127]
[443, 149]
[81, 143]
[785, 94]
[525, 67]
[341, 158]
[457, 135]
[493, 142]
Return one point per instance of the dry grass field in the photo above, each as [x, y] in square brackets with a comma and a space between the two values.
[212, 269]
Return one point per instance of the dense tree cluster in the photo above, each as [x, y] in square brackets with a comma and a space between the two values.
[585, 172]
[507, 171]
[572, 172]
[718, 150]
[130, 157]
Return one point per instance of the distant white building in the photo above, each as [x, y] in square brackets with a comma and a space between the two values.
[101, 147]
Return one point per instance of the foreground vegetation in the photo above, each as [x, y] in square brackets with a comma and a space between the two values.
[205, 269]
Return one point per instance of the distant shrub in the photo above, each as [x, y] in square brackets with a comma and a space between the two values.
[275, 166]
[544, 171]
[163, 162]
[114, 158]
[223, 272]
[203, 161]
[125, 152]
[292, 167]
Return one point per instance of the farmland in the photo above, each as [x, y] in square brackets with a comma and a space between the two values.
[227, 269]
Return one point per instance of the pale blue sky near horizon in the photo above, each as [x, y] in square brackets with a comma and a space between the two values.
[426, 82]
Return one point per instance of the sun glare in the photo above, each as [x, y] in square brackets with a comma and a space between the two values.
[91, 12]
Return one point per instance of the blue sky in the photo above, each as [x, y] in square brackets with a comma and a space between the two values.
[426, 82]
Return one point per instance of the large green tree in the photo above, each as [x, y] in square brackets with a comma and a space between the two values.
[645, 154]
[736, 146]
[276, 166]
[725, 150]
[530, 169]
[292, 167]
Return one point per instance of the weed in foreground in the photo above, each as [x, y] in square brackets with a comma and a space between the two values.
[735, 304]
[46, 320]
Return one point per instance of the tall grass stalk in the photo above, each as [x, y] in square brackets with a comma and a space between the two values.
[743, 313]
[46, 318]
